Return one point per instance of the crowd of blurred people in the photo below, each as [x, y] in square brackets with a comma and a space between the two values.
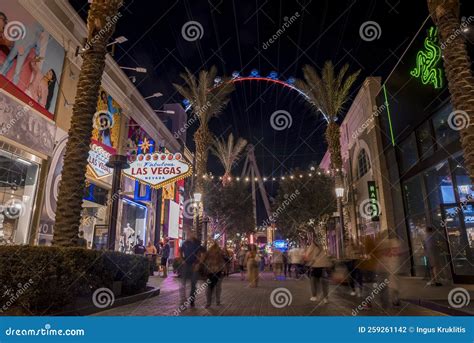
[373, 262]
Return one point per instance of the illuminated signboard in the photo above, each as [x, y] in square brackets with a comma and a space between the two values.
[280, 244]
[158, 169]
[97, 160]
[375, 211]
[427, 61]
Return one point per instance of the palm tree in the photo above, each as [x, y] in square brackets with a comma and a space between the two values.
[228, 153]
[206, 102]
[101, 21]
[457, 65]
[327, 94]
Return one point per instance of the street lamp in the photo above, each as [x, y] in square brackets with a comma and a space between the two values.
[197, 217]
[118, 40]
[137, 69]
[197, 197]
[340, 246]
[154, 95]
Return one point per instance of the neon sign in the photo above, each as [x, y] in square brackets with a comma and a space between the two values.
[427, 61]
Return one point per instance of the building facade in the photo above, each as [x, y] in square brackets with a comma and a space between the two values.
[401, 139]
[36, 117]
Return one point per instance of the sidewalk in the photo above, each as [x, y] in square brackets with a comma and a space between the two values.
[415, 291]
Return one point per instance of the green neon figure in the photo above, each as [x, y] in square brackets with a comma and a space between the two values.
[427, 61]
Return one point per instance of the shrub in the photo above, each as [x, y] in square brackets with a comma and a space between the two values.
[45, 280]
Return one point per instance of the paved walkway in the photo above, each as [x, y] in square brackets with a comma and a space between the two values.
[240, 300]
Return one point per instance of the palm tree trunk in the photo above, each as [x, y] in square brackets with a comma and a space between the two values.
[101, 20]
[333, 140]
[202, 139]
[457, 65]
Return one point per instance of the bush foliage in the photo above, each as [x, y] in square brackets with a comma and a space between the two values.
[55, 277]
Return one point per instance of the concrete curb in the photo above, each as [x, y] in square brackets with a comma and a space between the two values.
[91, 309]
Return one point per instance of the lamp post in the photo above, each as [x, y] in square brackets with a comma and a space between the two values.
[340, 245]
[197, 202]
[117, 163]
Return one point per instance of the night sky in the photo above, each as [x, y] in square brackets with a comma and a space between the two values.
[233, 36]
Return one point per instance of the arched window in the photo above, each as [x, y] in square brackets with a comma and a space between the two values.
[363, 163]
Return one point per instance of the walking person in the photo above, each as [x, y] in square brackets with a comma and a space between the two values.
[191, 252]
[286, 264]
[215, 262]
[241, 258]
[431, 246]
[353, 255]
[277, 263]
[164, 257]
[139, 248]
[368, 266]
[317, 260]
[150, 253]
[251, 261]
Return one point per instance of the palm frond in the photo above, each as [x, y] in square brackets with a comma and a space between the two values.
[227, 152]
[206, 101]
[327, 91]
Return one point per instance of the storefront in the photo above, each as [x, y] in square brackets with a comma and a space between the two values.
[426, 164]
[27, 108]
[19, 178]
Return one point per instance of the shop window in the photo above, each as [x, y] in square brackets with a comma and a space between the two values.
[460, 239]
[416, 220]
[363, 163]
[425, 140]
[18, 183]
[439, 186]
[134, 217]
[463, 181]
[408, 153]
[444, 133]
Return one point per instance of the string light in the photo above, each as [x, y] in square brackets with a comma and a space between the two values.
[265, 178]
